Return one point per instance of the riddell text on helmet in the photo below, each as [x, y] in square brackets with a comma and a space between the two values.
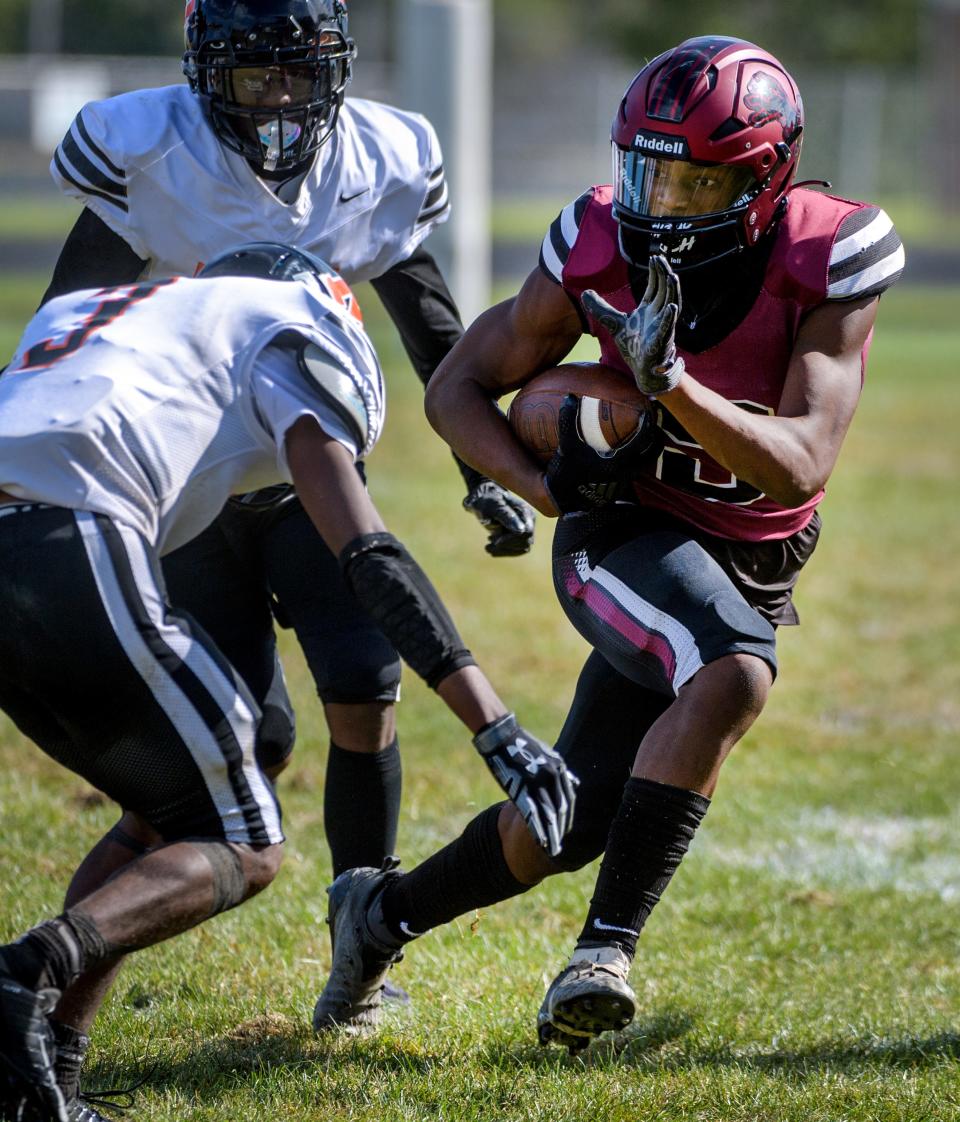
[675, 146]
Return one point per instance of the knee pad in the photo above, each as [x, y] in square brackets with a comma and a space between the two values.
[229, 879]
[120, 837]
[276, 734]
[364, 668]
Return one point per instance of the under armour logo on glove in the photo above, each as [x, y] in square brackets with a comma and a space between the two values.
[645, 336]
[534, 777]
[531, 763]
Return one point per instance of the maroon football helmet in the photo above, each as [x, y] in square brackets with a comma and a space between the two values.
[705, 145]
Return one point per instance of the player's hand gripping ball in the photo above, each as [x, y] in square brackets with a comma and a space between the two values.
[611, 408]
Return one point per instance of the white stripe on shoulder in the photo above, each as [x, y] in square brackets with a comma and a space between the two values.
[867, 279]
[568, 224]
[551, 261]
[874, 231]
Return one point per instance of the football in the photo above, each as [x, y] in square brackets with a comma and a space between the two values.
[611, 407]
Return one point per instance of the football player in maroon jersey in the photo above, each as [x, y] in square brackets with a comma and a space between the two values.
[743, 303]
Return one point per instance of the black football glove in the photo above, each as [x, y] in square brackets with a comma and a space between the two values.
[534, 777]
[509, 520]
[645, 336]
[579, 478]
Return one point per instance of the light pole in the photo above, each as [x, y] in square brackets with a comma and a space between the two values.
[45, 27]
[444, 57]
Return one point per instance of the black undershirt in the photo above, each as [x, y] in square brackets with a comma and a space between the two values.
[93, 256]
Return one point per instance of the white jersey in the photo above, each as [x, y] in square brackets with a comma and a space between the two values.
[151, 167]
[153, 403]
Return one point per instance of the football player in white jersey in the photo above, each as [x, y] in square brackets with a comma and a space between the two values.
[128, 415]
[261, 144]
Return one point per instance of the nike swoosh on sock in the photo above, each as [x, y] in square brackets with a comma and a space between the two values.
[613, 927]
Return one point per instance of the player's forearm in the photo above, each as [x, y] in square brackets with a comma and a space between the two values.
[468, 694]
[777, 455]
[463, 413]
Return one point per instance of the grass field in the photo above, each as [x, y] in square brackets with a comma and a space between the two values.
[803, 966]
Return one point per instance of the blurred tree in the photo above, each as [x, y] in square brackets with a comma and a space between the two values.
[135, 27]
[101, 27]
[13, 25]
[814, 31]
[811, 31]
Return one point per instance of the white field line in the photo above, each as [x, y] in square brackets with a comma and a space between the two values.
[825, 848]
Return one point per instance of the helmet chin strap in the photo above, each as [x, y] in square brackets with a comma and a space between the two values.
[676, 261]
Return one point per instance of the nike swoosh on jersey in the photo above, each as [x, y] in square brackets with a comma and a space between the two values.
[613, 927]
[346, 197]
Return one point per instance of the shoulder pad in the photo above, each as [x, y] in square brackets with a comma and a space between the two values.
[110, 139]
[867, 255]
[85, 166]
[338, 390]
[830, 248]
[562, 235]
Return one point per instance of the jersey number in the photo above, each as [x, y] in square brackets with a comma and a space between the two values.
[49, 351]
[342, 293]
[682, 464]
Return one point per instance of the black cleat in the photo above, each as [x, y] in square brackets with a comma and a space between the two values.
[395, 995]
[27, 1053]
[82, 1110]
[352, 998]
[589, 997]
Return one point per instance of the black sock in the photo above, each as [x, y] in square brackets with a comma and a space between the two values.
[469, 873]
[649, 836]
[361, 806]
[52, 954]
[72, 1048]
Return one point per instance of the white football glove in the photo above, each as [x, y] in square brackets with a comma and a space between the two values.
[644, 337]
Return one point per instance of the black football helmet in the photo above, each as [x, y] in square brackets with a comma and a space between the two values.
[269, 261]
[271, 74]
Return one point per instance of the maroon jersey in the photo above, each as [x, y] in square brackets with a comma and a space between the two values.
[825, 248]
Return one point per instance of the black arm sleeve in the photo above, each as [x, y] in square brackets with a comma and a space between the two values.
[93, 256]
[398, 594]
[419, 303]
[424, 313]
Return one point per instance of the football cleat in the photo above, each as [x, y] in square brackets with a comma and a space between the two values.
[28, 1083]
[395, 995]
[82, 1110]
[588, 997]
[352, 998]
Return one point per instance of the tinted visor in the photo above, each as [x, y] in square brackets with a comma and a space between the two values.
[273, 87]
[655, 187]
[256, 86]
